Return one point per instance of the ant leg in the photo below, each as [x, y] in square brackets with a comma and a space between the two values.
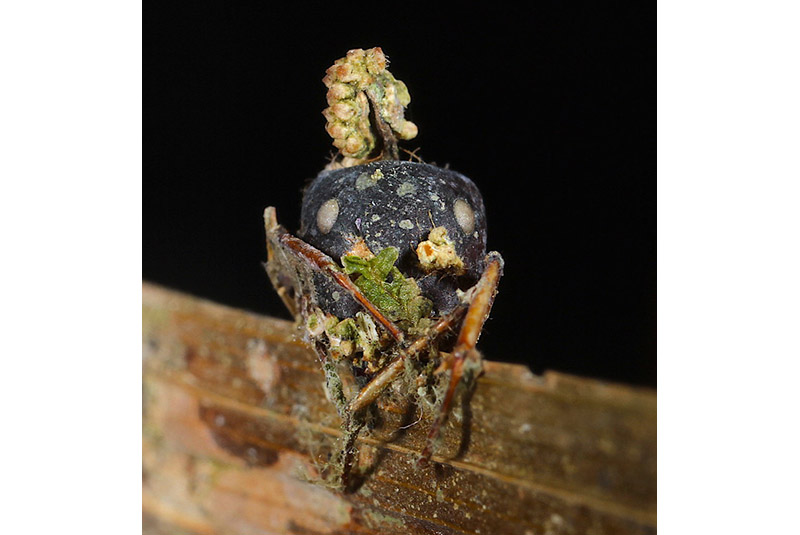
[479, 308]
[282, 283]
[278, 237]
[480, 303]
[352, 415]
[391, 371]
[352, 428]
[333, 383]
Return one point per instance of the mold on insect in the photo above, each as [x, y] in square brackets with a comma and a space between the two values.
[438, 253]
[389, 272]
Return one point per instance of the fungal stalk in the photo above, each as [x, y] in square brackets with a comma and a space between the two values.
[360, 86]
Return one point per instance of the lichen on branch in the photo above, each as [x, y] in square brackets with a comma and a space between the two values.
[359, 85]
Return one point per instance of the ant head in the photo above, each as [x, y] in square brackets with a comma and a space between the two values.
[397, 204]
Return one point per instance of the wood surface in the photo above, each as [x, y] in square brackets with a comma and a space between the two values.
[237, 428]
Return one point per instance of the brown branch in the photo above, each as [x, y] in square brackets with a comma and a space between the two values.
[236, 422]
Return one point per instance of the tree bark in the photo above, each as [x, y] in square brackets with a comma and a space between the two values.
[237, 430]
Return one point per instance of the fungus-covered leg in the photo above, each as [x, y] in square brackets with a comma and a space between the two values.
[479, 308]
[352, 427]
[333, 383]
[283, 283]
[353, 421]
[391, 371]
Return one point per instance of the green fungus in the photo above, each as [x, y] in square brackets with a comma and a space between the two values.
[395, 296]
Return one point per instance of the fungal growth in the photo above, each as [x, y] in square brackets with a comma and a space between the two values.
[360, 86]
[438, 253]
[389, 273]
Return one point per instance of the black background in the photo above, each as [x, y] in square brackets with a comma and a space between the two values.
[549, 109]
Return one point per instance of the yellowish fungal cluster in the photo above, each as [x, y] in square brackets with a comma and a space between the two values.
[439, 253]
[355, 82]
